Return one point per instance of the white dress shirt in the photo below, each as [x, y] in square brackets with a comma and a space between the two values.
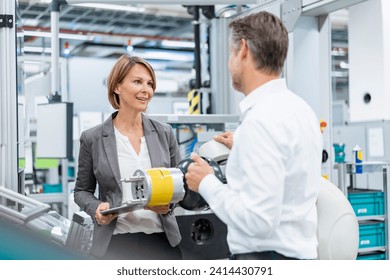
[129, 161]
[273, 174]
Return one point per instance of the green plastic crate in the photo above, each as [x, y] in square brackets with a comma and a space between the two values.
[371, 234]
[373, 256]
[52, 188]
[366, 202]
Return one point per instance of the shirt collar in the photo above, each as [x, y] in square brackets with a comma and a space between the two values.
[259, 93]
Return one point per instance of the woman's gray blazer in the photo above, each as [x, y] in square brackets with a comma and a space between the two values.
[98, 165]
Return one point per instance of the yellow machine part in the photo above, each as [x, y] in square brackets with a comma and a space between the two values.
[162, 186]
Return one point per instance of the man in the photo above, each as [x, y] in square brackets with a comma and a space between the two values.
[274, 168]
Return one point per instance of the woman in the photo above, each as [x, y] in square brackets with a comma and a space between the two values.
[126, 141]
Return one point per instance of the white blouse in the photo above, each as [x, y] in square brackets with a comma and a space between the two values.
[141, 220]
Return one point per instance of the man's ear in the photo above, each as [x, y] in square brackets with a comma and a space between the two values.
[243, 48]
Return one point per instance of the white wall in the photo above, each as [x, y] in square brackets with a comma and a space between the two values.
[303, 79]
[369, 32]
[164, 105]
[87, 83]
[88, 89]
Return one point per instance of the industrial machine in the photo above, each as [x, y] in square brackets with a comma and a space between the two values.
[30, 230]
[338, 231]
[162, 186]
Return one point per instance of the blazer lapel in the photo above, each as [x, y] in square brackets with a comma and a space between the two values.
[152, 141]
[109, 144]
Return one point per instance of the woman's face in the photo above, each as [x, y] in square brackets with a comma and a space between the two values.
[136, 89]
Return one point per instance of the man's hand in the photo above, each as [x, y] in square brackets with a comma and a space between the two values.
[225, 138]
[104, 219]
[163, 209]
[196, 171]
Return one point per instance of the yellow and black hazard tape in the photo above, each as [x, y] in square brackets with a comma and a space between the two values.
[193, 98]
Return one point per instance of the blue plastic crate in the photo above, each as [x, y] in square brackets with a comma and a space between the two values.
[52, 188]
[373, 256]
[371, 234]
[367, 203]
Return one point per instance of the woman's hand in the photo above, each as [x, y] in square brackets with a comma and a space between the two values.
[104, 219]
[162, 209]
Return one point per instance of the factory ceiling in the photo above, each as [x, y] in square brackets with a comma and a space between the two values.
[105, 31]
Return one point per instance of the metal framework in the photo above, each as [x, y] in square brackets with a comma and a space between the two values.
[313, 16]
[8, 99]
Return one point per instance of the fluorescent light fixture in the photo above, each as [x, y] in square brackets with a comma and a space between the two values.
[81, 37]
[164, 56]
[177, 44]
[37, 49]
[122, 8]
[129, 49]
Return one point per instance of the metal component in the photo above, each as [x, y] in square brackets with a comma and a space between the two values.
[80, 233]
[341, 167]
[140, 186]
[8, 103]
[316, 8]
[55, 52]
[291, 11]
[219, 71]
[6, 21]
[156, 186]
[386, 203]
[187, 2]
[18, 208]
[178, 191]
[196, 23]
[133, 179]
[55, 5]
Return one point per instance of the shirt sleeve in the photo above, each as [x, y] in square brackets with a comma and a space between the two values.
[252, 199]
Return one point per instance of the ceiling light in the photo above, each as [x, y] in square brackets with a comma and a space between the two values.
[164, 55]
[36, 49]
[81, 37]
[177, 44]
[112, 7]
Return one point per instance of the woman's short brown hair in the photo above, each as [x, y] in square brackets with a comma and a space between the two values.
[119, 72]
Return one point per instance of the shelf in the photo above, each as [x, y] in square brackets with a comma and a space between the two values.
[368, 167]
[339, 74]
[371, 218]
[372, 249]
[48, 197]
[349, 169]
[341, 53]
[196, 119]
